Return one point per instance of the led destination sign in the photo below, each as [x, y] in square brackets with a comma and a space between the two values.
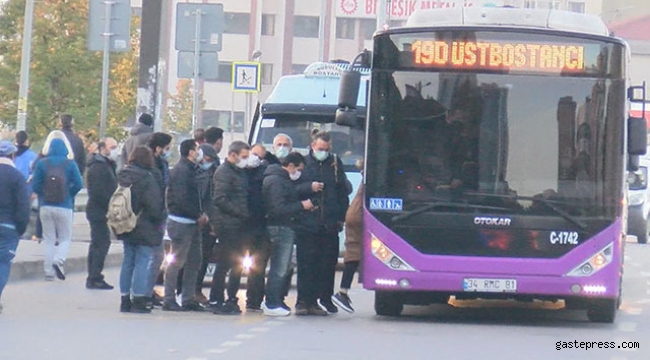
[529, 57]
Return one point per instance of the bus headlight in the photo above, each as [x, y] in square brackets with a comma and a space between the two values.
[387, 256]
[594, 263]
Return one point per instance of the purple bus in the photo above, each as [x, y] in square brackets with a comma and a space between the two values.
[497, 146]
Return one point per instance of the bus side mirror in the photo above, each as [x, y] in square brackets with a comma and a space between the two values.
[633, 163]
[637, 136]
[346, 114]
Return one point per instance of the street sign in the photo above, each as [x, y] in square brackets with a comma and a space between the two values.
[208, 65]
[246, 77]
[120, 25]
[212, 23]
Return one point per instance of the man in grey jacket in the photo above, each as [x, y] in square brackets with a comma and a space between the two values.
[140, 134]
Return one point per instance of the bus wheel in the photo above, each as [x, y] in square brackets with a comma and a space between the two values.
[388, 304]
[602, 310]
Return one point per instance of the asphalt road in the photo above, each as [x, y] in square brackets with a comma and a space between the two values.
[63, 320]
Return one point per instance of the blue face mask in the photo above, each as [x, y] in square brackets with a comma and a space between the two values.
[282, 152]
[167, 154]
[206, 165]
[321, 155]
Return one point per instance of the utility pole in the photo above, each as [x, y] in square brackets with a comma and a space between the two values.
[148, 73]
[25, 61]
[321, 30]
[106, 64]
[382, 11]
[197, 67]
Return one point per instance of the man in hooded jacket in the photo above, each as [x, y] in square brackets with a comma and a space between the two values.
[140, 134]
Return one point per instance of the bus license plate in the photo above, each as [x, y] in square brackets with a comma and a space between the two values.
[490, 285]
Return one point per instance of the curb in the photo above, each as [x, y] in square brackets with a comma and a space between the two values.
[34, 269]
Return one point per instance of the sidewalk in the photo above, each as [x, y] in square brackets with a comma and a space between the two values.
[28, 263]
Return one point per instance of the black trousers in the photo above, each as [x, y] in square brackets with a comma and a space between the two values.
[317, 255]
[100, 242]
[260, 251]
[232, 250]
[207, 243]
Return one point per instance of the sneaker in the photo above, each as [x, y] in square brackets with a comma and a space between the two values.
[275, 311]
[230, 307]
[316, 310]
[98, 285]
[193, 306]
[329, 306]
[58, 269]
[49, 277]
[302, 310]
[343, 301]
[171, 306]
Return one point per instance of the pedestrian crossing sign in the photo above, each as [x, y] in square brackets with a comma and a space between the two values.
[246, 77]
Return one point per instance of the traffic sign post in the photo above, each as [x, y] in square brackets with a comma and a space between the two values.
[246, 77]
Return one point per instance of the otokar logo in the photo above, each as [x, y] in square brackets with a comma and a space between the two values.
[493, 221]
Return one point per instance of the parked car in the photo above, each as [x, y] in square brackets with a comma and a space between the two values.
[639, 201]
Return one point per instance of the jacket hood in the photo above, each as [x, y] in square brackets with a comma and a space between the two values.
[98, 158]
[57, 134]
[58, 148]
[139, 129]
[277, 170]
[131, 174]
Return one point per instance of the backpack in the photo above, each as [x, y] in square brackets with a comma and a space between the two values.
[120, 216]
[55, 188]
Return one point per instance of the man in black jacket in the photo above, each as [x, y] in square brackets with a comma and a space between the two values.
[78, 147]
[186, 217]
[101, 182]
[318, 241]
[230, 196]
[284, 210]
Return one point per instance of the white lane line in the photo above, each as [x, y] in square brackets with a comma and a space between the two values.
[244, 336]
[216, 351]
[231, 343]
[626, 326]
[259, 329]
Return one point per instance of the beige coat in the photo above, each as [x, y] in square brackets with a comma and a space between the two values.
[354, 228]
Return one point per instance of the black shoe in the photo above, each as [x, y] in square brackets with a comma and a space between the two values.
[171, 306]
[253, 308]
[302, 310]
[125, 304]
[316, 310]
[98, 285]
[139, 305]
[157, 300]
[230, 307]
[193, 306]
[343, 301]
[329, 306]
[60, 272]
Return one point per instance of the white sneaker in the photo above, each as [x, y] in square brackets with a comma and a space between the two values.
[278, 311]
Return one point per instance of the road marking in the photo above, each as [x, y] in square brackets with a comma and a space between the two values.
[259, 329]
[231, 343]
[216, 351]
[626, 326]
[244, 336]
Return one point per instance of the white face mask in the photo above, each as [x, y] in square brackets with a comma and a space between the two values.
[253, 161]
[242, 163]
[321, 155]
[281, 151]
[114, 155]
[295, 176]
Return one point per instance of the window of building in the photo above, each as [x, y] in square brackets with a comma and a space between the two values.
[298, 68]
[576, 6]
[542, 4]
[225, 72]
[268, 24]
[221, 118]
[368, 27]
[345, 28]
[267, 74]
[306, 26]
[236, 23]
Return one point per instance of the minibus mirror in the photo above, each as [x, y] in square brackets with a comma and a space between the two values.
[346, 114]
[637, 136]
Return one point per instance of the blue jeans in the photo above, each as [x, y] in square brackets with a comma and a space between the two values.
[8, 244]
[134, 277]
[282, 239]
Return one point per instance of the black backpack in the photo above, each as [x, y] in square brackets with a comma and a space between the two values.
[55, 187]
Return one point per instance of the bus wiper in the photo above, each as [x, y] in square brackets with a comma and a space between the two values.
[543, 201]
[408, 214]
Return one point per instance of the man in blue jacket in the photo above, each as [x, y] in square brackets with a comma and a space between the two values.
[14, 210]
[56, 181]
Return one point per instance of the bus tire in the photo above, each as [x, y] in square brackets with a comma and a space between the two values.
[388, 304]
[602, 310]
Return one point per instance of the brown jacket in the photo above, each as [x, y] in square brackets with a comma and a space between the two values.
[354, 228]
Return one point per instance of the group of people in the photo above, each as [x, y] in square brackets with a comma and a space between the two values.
[256, 204]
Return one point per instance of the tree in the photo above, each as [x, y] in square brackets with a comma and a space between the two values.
[64, 76]
[178, 118]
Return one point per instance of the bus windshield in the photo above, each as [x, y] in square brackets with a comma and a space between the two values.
[494, 140]
[347, 143]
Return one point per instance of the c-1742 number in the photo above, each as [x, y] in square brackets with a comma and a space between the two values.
[564, 238]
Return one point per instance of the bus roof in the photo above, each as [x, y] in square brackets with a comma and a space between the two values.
[318, 85]
[511, 17]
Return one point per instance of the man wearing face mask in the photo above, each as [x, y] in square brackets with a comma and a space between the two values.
[102, 182]
[232, 215]
[318, 244]
[185, 219]
[258, 238]
[282, 146]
